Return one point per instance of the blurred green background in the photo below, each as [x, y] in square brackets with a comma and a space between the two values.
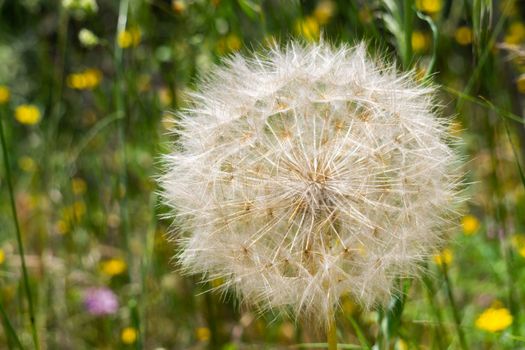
[87, 91]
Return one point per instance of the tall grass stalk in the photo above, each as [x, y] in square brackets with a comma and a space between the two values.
[9, 330]
[435, 40]
[483, 56]
[25, 276]
[123, 177]
[455, 311]
[146, 267]
[359, 332]
[120, 111]
[507, 252]
[391, 319]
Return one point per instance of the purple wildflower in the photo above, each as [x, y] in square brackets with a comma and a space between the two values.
[100, 301]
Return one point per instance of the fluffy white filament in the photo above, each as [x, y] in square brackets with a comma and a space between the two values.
[308, 173]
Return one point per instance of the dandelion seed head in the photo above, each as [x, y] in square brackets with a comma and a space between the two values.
[309, 173]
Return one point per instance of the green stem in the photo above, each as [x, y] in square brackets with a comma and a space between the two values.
[359, 332]
[212, 323]
[485, 54]
[25, 275]
[9, 330]
[120, 112]
[455, 312]
[331, 334]
[123, 177]
[439, 332]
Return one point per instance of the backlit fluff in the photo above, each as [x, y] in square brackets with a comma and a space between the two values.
[307, 173]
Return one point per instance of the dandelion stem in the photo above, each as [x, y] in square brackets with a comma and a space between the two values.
[212, 323]
[331, 334]
[439, 333]
[455, 312]
[25, 275]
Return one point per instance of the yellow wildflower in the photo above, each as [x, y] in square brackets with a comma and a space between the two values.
[515, 34]
[62, 227]
[520, 83]
[76, 81]
[420, 41]
[130, 37]
[287, 331]
[308, 28]
[444, 257]
[88, 79]
[165, 96]
[518, 241]
[401, 345]
[79, 209]
[93, 77]
[78, 186]
[74, 212]
[129, 335]
[463, 35]
[233, 42]
[178, 6]
[365, 15]
[494, 319]
[324, 11]
[470, 225]
[228, 44]
[4, 94]
[2, 256]
[124, 39]
[429, 6]
[202, 334]
[27, 164]
[27, 114]
[113, 267]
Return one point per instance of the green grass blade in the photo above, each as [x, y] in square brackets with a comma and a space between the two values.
[359, 332]
[485, 103]
[483, 56]
[455, 310]
[435, 37]
[25, 275]
[9, 329]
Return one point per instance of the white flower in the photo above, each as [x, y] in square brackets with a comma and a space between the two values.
[309, 173]
[87, 38]
[80, 8]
